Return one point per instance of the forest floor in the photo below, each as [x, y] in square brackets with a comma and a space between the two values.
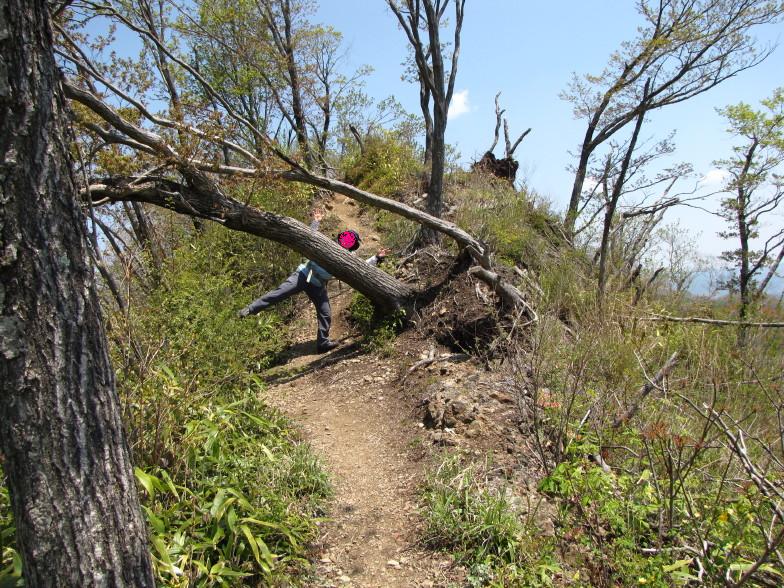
[346, 405]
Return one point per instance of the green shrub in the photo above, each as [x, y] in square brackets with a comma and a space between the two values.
[387, 167]
[613, 518]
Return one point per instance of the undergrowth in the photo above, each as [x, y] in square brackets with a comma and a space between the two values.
[689, 487]
[244, 505]
[378, 330]
[483, 529]
[231, 498]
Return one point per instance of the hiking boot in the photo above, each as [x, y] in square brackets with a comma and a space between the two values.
[325, 346]
[243, 313]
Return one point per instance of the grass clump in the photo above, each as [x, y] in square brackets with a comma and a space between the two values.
[517, 227]
[483, 529]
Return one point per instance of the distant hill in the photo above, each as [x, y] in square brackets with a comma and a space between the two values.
[703, 282]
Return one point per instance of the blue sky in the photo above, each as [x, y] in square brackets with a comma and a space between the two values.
[528, 51]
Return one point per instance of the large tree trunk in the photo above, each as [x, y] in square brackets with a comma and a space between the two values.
[69, 473]
[435, 188]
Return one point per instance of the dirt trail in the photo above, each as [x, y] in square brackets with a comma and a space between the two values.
[345, 404]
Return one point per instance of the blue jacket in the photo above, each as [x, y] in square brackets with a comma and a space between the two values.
[314, 273]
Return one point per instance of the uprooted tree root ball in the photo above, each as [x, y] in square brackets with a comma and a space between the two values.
[458, 310]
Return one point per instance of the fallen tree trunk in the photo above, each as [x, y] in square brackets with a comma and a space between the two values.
[511, 296]
[203, 199]
[707, 321]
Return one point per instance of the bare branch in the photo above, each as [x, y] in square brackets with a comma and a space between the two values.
[647, 388]
[498, 114]
[517, 143]
[707, 321]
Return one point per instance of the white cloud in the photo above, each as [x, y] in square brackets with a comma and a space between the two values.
[714, 179]
[459, 104]
[590, 183]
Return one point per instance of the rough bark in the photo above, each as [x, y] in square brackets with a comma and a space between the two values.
[69, 473]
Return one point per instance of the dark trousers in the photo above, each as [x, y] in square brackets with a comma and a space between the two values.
[294, 284]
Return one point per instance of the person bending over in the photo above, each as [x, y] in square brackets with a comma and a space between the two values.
[312, 279]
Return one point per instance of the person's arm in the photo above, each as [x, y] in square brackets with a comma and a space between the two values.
[378, 257]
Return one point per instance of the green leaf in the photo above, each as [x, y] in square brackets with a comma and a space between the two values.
[231, 519]
[746, 565]
[160, 547]
[216, 568]
[264, 424]
[269, 557]
[219, 534]
[220, 498]
[232, 573]
[146, 480]
[218, 511]
[253, 545]
[155, 522]
[170, 484]
[681, 563]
